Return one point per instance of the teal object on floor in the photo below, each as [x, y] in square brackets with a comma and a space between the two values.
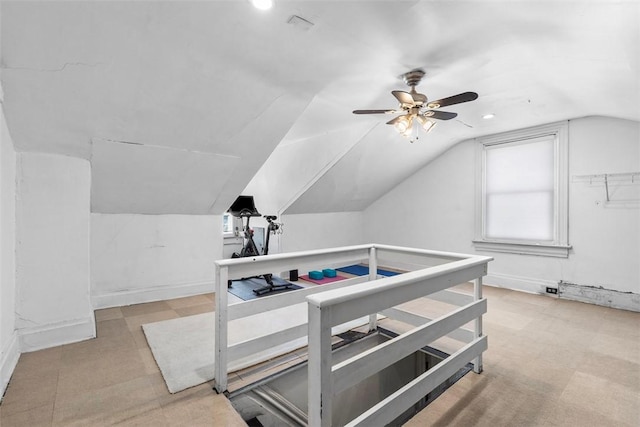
[329, 272]
[316, 275]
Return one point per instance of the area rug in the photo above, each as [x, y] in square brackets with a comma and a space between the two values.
[322, 281]
[243, 289]
[184, 348]
[363, 270]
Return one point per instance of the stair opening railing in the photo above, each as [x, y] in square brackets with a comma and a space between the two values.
[339, 302]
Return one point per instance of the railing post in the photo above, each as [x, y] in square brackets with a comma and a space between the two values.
[477, 295]
[373, 275]
[221, 341]
[319, 365]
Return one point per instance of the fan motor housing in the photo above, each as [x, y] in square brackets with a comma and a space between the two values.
[412, 78]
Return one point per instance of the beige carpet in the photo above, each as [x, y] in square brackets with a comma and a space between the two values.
[184, 348]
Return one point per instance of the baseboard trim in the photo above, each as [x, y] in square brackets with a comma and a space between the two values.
[156, 293]
[570, 291]
[10, 355]
[599, 296]
[520, 283]
[55, 334]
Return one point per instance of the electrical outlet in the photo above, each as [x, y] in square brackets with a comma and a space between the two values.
[552, 290]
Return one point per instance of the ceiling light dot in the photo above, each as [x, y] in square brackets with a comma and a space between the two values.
[262, 4]
[488, 116]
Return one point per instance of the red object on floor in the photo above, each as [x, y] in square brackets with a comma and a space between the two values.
[322, 281]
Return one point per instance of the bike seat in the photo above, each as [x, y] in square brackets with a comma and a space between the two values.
[244, 207]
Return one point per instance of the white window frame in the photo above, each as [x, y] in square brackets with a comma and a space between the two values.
[559, 245]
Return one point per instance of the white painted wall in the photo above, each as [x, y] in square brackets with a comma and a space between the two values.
[52, 251]
[325, 230]
[139, 258]
[435, 209]
[143, 183]
[9, 348]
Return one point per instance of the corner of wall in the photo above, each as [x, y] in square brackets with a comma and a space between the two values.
[52, 252]
[9, 356]
[9, 342]
[56, 334]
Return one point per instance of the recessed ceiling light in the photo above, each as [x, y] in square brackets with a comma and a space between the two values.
[488, 116]
[262, 4]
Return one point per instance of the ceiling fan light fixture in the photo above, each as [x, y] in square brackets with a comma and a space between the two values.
[403, 124]
[427, 124]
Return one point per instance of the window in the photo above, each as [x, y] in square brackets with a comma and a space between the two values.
[229, 225]
[521, 202]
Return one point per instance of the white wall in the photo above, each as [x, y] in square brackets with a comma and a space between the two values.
[435, 209]
[325, 230]
[140, 258]
[52, 251]
[9, 348]
[605, 237]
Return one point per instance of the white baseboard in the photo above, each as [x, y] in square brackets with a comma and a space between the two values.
[55, 334]
[520, 283]
[8, 361]
[571, 291]
[156, 293]
[599, 296]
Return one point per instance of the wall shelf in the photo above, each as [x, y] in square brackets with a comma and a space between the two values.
[609, 178]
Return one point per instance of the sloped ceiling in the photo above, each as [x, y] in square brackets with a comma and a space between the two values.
[126, 84]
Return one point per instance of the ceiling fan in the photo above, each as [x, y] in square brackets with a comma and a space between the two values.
[417, 109]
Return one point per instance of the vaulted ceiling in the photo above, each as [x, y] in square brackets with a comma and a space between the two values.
[180, 106]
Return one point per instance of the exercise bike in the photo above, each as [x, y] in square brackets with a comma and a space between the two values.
[244, 208]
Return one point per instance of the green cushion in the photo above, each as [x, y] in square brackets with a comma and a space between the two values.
[329, 272]
[316, 275]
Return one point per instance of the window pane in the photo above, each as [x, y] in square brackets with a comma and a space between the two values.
[519, 190]
[226, 223]
[518, 168]
[526, 216]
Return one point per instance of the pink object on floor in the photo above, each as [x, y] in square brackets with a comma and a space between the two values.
[323, 280]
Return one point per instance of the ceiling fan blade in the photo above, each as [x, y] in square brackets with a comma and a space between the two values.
[403, 97]
[375, 111]
[440, 115]
[419, 98]
[455, 99]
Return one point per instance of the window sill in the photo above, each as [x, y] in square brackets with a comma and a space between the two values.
[559, 251]
[231, 238]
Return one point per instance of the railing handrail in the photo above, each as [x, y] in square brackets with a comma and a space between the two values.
[428, 252]
[290, 256]
[339, 296]
[320, 258]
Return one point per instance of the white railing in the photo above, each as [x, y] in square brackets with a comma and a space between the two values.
[340, 302]
[246, 267]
